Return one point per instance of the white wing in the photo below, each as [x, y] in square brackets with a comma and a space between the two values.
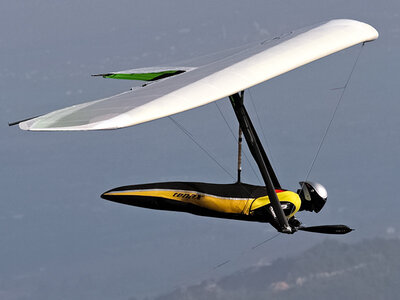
[207, 83]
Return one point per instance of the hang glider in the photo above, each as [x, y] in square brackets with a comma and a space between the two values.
[176, 89]
[179, 89]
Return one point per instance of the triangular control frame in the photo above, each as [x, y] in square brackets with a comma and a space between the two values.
[259, 155]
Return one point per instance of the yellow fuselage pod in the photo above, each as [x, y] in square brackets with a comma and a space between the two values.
[233, 201]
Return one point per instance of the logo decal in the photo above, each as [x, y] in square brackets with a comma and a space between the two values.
[187, 196]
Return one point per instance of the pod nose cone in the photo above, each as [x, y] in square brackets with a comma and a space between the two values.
[109, 195]
[118, 195]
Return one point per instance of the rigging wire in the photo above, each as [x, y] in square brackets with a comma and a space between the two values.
[266, 241]
[235, 138]
[334, 112]
[185, 131]
[245, 252]
[206, 273]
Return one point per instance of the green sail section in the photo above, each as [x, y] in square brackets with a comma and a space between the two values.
[143, 76]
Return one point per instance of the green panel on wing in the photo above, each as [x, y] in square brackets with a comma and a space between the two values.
[143, 76]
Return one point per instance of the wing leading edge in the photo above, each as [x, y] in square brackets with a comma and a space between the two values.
[204, 84]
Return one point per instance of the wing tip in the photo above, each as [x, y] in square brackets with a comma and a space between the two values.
[101, 75]
[23, 126]
[371, 32]
[27, 125]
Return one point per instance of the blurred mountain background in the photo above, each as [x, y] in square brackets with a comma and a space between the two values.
[331, 270]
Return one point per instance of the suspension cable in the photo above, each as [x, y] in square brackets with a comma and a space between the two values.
[234, 137]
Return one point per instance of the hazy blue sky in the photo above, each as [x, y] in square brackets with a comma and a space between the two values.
[60, 240]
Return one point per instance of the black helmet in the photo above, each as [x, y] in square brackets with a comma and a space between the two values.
[313, 196]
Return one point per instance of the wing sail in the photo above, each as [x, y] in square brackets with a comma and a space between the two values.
[209, 82]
